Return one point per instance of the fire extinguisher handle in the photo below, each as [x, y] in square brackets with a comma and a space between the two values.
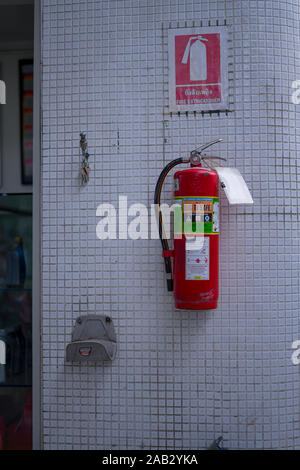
[205, 146]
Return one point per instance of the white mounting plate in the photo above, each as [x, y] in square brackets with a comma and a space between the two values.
[234, 186]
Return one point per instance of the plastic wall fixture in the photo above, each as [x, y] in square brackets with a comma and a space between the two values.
[93, 340]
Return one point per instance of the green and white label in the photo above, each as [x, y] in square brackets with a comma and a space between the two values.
[198, 215]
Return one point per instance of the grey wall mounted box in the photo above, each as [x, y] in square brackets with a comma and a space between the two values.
[93, 340]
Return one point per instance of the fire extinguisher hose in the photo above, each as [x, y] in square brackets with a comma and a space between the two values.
[162, 236]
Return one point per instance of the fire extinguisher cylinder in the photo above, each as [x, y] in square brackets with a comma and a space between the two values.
[194, 277]
[196, 252]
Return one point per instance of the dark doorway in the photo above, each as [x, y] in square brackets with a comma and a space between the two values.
[16, 222]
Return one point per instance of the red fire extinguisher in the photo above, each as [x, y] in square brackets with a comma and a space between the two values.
[196, 244]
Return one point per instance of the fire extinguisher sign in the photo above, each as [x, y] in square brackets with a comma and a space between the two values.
[198, 63]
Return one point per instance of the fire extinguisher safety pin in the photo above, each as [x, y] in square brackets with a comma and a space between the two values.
[204, 156]
[196, 155]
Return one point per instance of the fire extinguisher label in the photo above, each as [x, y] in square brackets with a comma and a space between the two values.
[197, 260]
[200, 215]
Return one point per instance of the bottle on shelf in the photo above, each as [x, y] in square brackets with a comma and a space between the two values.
[16, 266]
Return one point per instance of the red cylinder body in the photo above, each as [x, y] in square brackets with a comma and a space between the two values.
[196, 251]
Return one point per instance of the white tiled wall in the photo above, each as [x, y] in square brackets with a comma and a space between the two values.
[181, 378]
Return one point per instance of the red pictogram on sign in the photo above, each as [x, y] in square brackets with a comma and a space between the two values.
[197, 68]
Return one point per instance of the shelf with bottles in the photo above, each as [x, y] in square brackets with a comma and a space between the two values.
[15, 241]
[14, 270]
[15, 321]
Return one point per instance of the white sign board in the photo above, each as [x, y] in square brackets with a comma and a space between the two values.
[234, 186]
[198, 69]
